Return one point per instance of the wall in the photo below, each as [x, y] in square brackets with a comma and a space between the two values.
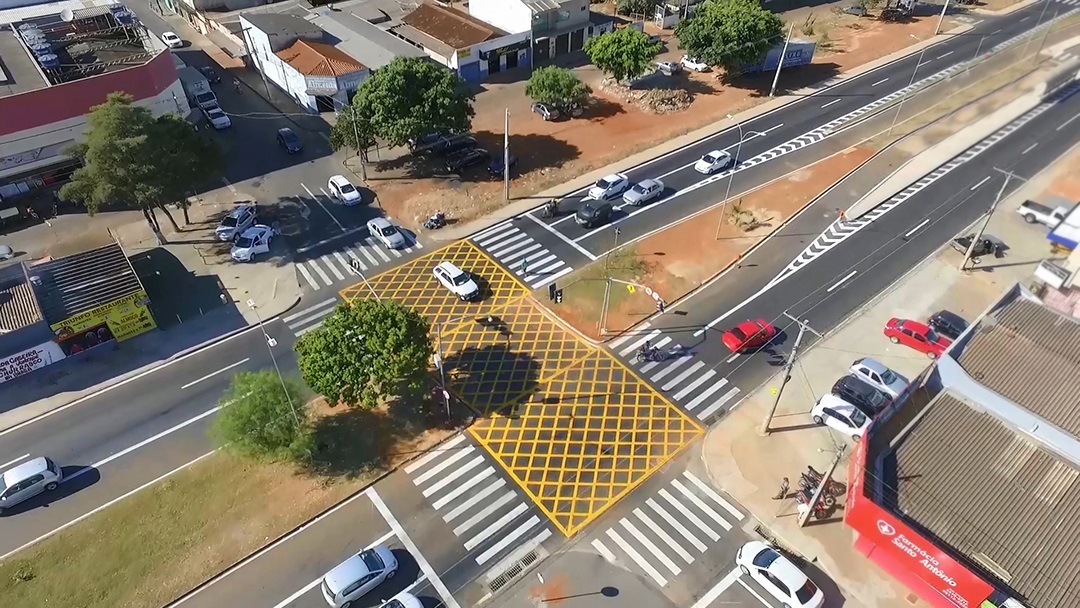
[509, 15]
[571, 15]
[283, 75]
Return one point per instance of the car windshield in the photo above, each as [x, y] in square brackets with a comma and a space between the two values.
[460, 279]
[765, 558]
[807, 591]
[229, 222]
[858, 418]
[244, 242]
[588, 209]
[640, 189]
[709, 158]
[347, 188]
[388, 231]
[931, 335]
[604, 184]
[289, 136]
[888, 377]
[372, 560]
[739, 334]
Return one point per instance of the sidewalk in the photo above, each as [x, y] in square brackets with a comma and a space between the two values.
[750, 466]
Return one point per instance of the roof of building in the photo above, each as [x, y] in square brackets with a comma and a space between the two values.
[1029, 354]
[985, 489]
[453, 28]
[368, 44]
[318, 59]
[278, 24]
[18, 305]
[539, 6]
[18, 72]
[42, 9]
[83, 281]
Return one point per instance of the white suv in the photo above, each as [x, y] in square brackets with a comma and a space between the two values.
[457, 281]
[609, 187]
[343, 190]
[840, 415]
[28, 480]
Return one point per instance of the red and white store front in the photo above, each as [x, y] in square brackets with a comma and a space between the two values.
[905, 554]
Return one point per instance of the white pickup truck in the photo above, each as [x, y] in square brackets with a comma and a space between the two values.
[1034, 213]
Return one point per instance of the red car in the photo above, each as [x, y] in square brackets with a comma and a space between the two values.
[916, 335]
[751, 334]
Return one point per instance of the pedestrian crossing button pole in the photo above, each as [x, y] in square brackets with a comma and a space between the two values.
[804, 326]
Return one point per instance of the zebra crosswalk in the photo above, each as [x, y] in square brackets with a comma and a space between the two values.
[682, 376]
[670, 529]
[530, 261]
[487, 513]
[364, 254]
[309, 318]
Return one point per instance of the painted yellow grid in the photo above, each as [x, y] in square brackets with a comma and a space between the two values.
[572, 425]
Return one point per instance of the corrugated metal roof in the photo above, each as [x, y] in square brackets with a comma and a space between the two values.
[997, 498]
[539, 6]
[1029, 354]
[456, 29]
[83, 281]
[18, 304]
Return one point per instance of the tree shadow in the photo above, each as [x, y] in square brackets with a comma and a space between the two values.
[791, 79]
[535, 152]
[494, 378]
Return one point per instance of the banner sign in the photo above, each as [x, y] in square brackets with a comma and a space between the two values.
[119, 320]
[28, 360]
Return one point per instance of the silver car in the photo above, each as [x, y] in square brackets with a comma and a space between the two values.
[239, 219]
[643, 192]
[28, 480]
[387, 233]
[355, 577]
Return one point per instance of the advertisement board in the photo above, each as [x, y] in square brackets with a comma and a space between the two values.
[955, 584]
[16, 365]
[119, 320]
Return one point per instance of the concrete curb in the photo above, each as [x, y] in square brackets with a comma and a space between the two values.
[638, 159]
[1005, 11]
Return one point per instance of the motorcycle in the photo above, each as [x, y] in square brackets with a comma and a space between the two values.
[436, 221]
[828, 495]
[653, 354]
[833, 488]
[819, 510]
[551, 208]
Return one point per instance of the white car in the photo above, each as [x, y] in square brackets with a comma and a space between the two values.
[609, 187]
[6, 253]
[880, 377]
[834, 412]
[341, 189]
[777, 575]
[217, 117]
[353, 578]
[714, 161]
[697, 65]
[459, 282]
[404, 600]
[387, 233]
[172, 40]
[252, 242]
[21, 483]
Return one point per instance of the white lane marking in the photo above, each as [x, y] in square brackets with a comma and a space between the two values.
[674, 523]
[304, 330]
[837, 284]
[539, 258]
[473, 501]
[713, 594]
[770, 130]
[837, 100]
[563, 237]
[603, 551]
[486, 533]
[493, 239]
[916, 228]
[464, 487]
[505, 541]
[696, 383]
[754, 593]
[438, 451]
[708, 491]
[319, 202]
[414, 551]
[648, 338]
[997, 31]
[100, 508]
[319, 271]
[229, 185]
[301, 313]
[646, 566]
[1030, 148]
[519, 240]
[664, 536]
[382, 254]
[344, 264]
[212, 374]
[694, 519]
[705, 395]
[944, 55]
[683, 376]
[1024, 19]
[1066, 123]
[551, 278]
[923, 63]
[491, 229]
[3, 467]
[981, 182]
[307, 277]
[530, 250]
[536, 274]
[445, 481]
[879, 82]
[315, 316]
[709, 411]
[308, 248]
[700, 504]
[732, 358]
[648, 544]
[439, 468]
[308, 587]
[676, 364]
[144, 442]
[616, 342]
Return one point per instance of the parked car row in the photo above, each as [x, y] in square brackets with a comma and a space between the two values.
[460, 152]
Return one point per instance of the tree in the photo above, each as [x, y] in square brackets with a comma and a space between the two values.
[406, 98]
[365, 350]
[729, 33]
[130, 157]
[636, 7]
[622, 54]
[263, 415]
[557, 86]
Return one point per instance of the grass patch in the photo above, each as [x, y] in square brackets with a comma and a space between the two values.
[583, 293]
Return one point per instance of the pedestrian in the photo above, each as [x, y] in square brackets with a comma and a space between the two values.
[782, 493]
[236, 85]
[525, 265]
[843, 216]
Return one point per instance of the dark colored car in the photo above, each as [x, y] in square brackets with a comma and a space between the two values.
[418, 145]
[289, 140]
[948, 324]
[987, 245]
[496, 166]
[593, 213]
[467, 158]
[448, 145]
[211, 74]
[866, 398]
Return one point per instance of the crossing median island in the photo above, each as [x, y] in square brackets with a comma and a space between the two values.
[680, 258]
[156, 545]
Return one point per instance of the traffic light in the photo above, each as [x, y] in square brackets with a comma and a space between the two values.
[558, 296]
[551, 291]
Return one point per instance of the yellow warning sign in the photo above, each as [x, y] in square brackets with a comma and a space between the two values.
[631, 288]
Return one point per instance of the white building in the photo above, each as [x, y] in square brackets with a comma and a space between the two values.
[555, 27]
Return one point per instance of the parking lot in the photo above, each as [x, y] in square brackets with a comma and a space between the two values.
[573, 427]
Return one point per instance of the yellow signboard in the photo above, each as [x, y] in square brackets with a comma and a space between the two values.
[121, 319]
[631, 288]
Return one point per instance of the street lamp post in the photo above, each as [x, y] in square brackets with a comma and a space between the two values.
[270, 344]
[731, 176]
[900, 108]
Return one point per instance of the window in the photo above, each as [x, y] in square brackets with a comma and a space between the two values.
[807, 591]
[583, 7]
[776, 583]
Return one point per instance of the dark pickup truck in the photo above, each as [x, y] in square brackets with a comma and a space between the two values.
[987, 245]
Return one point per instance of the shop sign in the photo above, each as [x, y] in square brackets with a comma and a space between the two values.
[464, 53]
[28, 360]
[119, 320]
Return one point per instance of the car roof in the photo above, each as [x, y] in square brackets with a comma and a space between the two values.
[646, 183]
[914, 325]
[449, 267]
[381, 222]
[239, 210]
[339, 180]
[717, 153]
[783, 569]
[31, 467]
[614, 177]
[749, 326]
[285, 131]
[871, 364]
[837, 403]
[346, 573]
[255, 230]
[950, 316]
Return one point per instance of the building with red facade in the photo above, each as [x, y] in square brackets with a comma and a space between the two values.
[967, 489]
[54, 66]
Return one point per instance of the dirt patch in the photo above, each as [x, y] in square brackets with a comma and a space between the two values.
[677, 260]
[554, 152]
[1067, 183]
[993, 5]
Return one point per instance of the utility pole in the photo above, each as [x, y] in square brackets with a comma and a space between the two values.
[255, 64]
[804, 326]
[356, 268]
[607, 283]
[439, 364]
[780, 64]
[1042, 43]
[941, 18]
[270, 344]
[821, 486]
[1042, 14]
[356, 137]
[904, 98]
[990, 213]
[506, 156]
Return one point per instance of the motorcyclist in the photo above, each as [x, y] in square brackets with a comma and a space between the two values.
[551, 207]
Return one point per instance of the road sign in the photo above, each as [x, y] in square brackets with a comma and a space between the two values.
[631, 288]
[649, 291]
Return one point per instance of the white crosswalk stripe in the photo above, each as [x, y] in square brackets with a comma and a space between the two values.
[336, 266]
[660, 542]
[680, 374]
[489, 515]
[530, 261]
[309, 318]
